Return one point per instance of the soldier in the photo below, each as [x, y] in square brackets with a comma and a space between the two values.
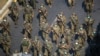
[56, 33]
[71, 3]
[44, 27]
[6, 42]
[48, 47]
[29, 14]
[82, 34]
[68, 34]
[89, 26]
[49, 2]
[37, 44]
[89, 5]
[43, 11]
[28, 28]
[64, 48]
[45, 33]
[74, 22]
[26, 45]
[78, 45]
[15, 12]
[5, 25]
[55, 54]
[61, 19]
[42, 22]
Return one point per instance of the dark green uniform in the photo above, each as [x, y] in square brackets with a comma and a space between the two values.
[6, 42]
[14, 12]
[26, 44]
[43, 11]
[29, 14]
[37, 44]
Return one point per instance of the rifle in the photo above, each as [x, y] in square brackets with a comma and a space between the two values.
[61, 21]
[55, 31]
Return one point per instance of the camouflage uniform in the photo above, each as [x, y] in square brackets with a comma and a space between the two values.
[89, 25]
[68, 34]
[89, 5]
[82, 34]
[64, 48]
[14, 12]
[43, 22]
[74, 22]
[56, 33]
[48, 47]
[78, 46]
[55, 54]
[49, 2]
[28, 28]
[6, 42]
[71, 3]
[43, 11]
[5, 25]
[26, 44]
[61, 21]
[29, 14]
[37, 44]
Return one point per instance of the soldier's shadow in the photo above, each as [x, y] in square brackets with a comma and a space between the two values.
[83, 6]
[69, 24]
[38, 17]
[94, 50]
[21, 48]
[12, 17]
[45, 2]
[40, 34]
[23, 31]
[67, 3]
[2, 48]
[97, 37]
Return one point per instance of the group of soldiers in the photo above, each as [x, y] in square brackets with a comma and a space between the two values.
[58, 33]
[5, 36]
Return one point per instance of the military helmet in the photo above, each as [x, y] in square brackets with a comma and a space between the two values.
[67, 27]
[36, 38]
[55, 25]
[74, 13]
[63, 40]
[61, 13]
[5, 19]
[42, 6]
[81, 27]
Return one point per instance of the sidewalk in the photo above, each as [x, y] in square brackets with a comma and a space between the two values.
[4, 11]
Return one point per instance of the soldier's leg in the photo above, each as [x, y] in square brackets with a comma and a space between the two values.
[7, 51]
[46, 52]
[35, 52]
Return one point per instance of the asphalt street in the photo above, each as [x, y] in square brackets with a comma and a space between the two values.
[57, 7]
